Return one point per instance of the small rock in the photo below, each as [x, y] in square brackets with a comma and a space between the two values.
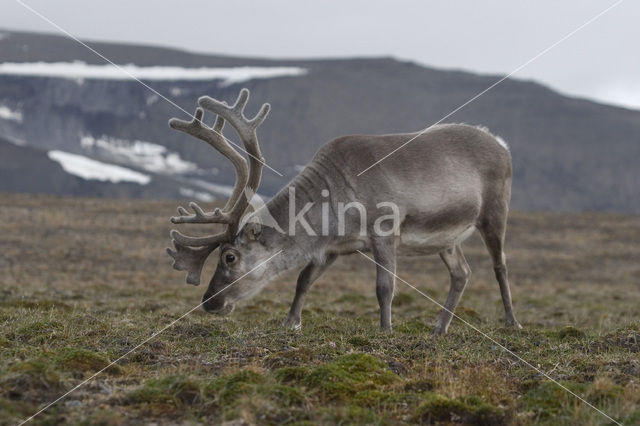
[74, 403]
[105, 388]
[397, 367]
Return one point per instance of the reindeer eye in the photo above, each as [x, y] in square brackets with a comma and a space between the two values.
[229, 258]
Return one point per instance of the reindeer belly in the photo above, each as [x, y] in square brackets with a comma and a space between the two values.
[415, 239]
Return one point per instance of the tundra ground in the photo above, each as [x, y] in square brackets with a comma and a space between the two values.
[83, 281]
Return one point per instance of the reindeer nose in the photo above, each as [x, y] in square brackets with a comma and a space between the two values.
[212, 304]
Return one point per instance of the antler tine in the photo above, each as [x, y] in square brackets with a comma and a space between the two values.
[187, 126]
[200, 216]
[246, 129]
[260, 116]
[213, 137]
[235, 113]
[218, 125]
[241, 102]
[190, 259]
[186, 240]
[191, 252]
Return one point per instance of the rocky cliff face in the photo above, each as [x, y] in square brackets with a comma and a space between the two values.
[569, 154]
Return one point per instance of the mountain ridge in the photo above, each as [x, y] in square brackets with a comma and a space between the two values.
[570, 153]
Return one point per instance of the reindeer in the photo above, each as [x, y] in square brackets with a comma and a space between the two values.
[451, 180]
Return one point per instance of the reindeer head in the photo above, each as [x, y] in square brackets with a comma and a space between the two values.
[241, 267]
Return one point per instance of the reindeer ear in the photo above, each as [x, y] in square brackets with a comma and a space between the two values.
[253, 230]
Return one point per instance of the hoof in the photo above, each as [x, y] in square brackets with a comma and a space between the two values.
[513, 324]
[292, 324]
[438, 331]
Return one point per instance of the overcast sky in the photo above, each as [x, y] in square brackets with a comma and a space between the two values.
[601, 61]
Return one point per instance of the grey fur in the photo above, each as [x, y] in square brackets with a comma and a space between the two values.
[450, 180]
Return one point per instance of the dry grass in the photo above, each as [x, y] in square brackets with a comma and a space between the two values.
[84, 281]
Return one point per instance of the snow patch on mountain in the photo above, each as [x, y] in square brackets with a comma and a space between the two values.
[152, 99]
[176, 91]
[79, 71]
[198, 195]
[7, 113]
[216, 188]
[90, 169]
[145, 155]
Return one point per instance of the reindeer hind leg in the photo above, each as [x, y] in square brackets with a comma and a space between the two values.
[493, 230]
[460, 271]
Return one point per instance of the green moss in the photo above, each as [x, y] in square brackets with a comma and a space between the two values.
[570, 332]
[372, 398]
[229, 388]
[421, 385]
[549, 399]
[36, 374]
[291, 374]
[341, 379]
[81, 360]
[349, 415]
[178, 389]
[287, 395]
[604, 392]
[385, 399]
[289, 358]
[632, 419]
[359, 341]
[15, 409]
[29, 367]
[469, 410]
[38, 329]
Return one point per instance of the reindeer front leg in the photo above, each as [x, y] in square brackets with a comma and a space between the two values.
[384, 254]
[307, 277]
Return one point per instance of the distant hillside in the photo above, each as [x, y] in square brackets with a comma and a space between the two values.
[30, 170]
[569, 154]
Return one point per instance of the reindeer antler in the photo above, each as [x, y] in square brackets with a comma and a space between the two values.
[191, 252]
[246, 129]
